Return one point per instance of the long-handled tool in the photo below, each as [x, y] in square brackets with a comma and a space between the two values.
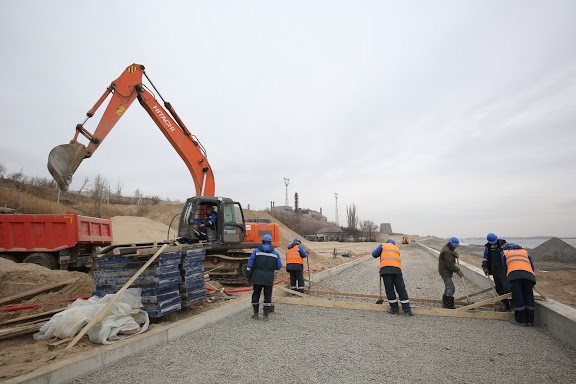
[492, 285]
[308, 266]
[380, 300]
[468, 301]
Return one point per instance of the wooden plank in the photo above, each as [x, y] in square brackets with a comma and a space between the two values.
[321, 286]
[487, 301]
[474, 294]
[104, 310]
[22, 318]
[18, 331]
[56, 344]
[346, 294]
[538, 292]
[488, 315]
[35, 292]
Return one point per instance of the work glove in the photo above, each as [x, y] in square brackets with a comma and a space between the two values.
[486, 272]
[460, 273]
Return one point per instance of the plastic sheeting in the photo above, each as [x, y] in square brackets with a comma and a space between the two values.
[124, 319]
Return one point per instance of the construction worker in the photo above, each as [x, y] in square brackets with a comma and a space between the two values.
[295, 265]
[262, 263]
[521, 277]
[493, 264]
[447, 267]
[391, 272]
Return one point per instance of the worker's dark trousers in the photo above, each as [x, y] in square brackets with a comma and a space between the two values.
[500, 281]
[523, 299]
[267, 293]
[392, 281]
[297, 277]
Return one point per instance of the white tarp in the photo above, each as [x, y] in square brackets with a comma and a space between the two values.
[124, 319]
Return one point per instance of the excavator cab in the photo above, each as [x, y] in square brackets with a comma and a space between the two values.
[63, 161]
[230, 227]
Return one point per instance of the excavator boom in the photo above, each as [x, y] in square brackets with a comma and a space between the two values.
[64, 159]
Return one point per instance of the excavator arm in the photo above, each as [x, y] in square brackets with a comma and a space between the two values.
[64, 159]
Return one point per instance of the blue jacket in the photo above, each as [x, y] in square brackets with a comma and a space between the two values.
[491, 264]
[262, 263]
[296, 266]
[210, 221]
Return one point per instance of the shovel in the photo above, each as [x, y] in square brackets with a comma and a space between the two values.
[380, 300]
[308, 266]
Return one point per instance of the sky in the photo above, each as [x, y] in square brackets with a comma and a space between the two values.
[440, 117]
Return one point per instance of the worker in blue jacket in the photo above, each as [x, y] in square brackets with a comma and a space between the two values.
[493, 264]
[295, 264]
[262, 263]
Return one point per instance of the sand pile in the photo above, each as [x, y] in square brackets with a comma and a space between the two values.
[554, 250]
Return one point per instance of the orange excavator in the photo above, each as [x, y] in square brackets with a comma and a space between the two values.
[228, 242]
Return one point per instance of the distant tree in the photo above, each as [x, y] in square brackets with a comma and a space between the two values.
[84, 184]
[352, 216]
[368, 229]
[98, 192]
[138, 196]
[118, 193]
[3, 170]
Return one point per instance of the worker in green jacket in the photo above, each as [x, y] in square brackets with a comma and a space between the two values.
[447, 267]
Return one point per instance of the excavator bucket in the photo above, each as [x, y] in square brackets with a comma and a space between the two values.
[63, 161]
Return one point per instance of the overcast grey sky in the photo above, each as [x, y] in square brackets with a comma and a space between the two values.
[449, 118]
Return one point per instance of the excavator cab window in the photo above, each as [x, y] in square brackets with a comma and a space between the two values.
[232, 221]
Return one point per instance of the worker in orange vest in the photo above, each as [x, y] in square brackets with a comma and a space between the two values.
[521, 278]
[295, 264]
[391, 272]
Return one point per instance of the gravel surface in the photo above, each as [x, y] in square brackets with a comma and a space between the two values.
[304, 344]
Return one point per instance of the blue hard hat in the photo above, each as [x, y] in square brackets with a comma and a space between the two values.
[267, 238]
[454, 242]
[391, 241]
[297, 240]
[492, 238]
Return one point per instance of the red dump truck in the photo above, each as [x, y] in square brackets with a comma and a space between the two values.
[68, 241]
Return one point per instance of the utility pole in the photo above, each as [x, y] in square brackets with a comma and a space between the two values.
[286, 182]
[336, 219]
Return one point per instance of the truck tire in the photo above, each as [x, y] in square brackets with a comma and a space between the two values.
[46, 260]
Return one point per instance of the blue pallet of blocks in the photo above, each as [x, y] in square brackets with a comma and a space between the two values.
[192, 288]
[174, 280]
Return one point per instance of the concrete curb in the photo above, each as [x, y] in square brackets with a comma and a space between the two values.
[557, 318]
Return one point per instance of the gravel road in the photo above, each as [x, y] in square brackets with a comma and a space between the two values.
[304, 344]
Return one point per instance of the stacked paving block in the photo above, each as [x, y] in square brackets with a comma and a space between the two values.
[192, 289]
[175, 279]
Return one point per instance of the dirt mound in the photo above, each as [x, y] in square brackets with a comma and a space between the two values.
[554, 250]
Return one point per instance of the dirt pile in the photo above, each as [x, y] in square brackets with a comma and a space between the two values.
[554, 250]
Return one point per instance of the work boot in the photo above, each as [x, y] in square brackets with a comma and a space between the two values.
[256, 308]
[451, 302]
[266, 312]
[272, 308]
[409, 313]
[445, 301]
[507, 306]
[393, 309]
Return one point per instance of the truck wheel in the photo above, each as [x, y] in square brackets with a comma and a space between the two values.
[43, 259]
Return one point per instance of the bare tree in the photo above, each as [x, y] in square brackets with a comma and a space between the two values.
[99, 189]
[84, 184]
[138, 196]
[352, 216]
[368, 229]
[118, 193]
[3, 170]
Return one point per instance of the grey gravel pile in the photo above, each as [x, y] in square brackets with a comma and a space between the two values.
[304, 344]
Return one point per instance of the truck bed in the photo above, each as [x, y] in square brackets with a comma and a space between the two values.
[46, 233]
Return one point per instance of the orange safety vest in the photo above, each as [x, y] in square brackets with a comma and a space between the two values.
[517, 260]
[293, 256]
[390, 256]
